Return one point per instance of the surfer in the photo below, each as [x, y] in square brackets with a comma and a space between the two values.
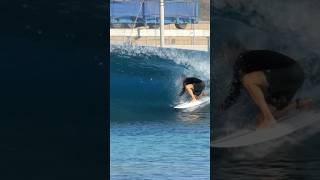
[270, 78]
[194, 87]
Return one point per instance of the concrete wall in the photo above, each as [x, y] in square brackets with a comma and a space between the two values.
[195, 36]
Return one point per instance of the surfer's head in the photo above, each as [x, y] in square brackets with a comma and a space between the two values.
[231, 49]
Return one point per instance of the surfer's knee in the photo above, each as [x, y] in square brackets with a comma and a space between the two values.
[248, 79]
[189, 86]
[254, 78]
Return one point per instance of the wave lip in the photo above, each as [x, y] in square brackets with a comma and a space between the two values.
[146, 81]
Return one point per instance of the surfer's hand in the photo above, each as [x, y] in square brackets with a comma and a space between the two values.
[194, 100]
[266, 123]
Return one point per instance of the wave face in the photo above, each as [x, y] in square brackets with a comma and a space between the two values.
[287, 27]
[145, 82]
[149, 140]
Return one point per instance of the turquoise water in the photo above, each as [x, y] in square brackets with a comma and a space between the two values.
[157, 150]
[149, 139]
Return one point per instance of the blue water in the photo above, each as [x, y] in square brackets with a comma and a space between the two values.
[274, 25]
[149, 139]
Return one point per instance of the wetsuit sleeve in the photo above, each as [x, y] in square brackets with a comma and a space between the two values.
[234, 92]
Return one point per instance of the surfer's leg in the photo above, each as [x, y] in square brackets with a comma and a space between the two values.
[204, 94]
[253, 82]
[284, 84]
[294, 105]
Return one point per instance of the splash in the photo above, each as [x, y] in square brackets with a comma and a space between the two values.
[197, 60]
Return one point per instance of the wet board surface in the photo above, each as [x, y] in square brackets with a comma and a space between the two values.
[285, 126]
[201, 101]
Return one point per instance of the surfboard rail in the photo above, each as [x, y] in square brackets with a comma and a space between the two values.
[199, 102]
[286, 126]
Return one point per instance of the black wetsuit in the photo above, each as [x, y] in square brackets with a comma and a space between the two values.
[284, 76]
[198, 85]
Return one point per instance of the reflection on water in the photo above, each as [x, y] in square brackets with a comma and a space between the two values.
[178, 149]
[195, 114]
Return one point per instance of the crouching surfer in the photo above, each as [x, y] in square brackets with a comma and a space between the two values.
[270, 78]
[194, 87]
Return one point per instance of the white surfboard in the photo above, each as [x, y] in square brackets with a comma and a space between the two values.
[286, 126]
[202, 101]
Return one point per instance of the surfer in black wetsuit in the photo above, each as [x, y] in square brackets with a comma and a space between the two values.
[194, 87]
[270, 78]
